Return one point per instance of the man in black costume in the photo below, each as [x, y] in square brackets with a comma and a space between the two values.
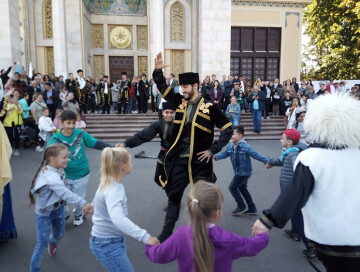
[124, 87]
[162, 127]
[192, 141]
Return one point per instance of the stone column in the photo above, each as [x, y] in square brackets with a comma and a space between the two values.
[74, 33]
[214, 22]
[156, 30]
[59, 38]
[10, 42]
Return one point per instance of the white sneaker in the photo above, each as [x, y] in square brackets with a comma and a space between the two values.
[39, 149]
[78, 220]
[268, 117]
[16, 153]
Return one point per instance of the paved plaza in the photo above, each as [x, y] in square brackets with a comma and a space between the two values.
[146, 203]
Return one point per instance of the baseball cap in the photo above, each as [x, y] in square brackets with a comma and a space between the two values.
[293, 134]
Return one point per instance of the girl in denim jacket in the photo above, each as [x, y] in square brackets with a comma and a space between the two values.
[240, 153]
[233, 111]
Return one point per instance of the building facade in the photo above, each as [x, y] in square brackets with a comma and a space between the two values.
[253, 38]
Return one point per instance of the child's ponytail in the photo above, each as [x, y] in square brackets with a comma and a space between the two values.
[203, 201]
[51, 151]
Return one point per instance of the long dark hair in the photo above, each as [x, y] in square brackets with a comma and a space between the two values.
[51, 151]
[203, 200]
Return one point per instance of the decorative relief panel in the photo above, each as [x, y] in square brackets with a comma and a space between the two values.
[99, 66]
[177, 23]
[47, 20]
[142, 37]
[50, 60]
[120, 37]
[142, 65]
[177, 62]
[268, 4]
[98, 36]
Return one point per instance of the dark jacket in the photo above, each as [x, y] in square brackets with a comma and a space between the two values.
[142, 89]
[202, 120]
[261, 100]
[228, 85]
[54, 97]
[287, 164]
[5, 77]
[219, 96]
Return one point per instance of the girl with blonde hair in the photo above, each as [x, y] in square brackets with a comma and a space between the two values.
[202, 246]
[110, 221]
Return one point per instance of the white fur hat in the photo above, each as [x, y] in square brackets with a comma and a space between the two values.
[334, 120]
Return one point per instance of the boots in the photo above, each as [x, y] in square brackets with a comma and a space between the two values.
[172, 215]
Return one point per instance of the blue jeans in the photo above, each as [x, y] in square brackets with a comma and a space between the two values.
[43, 236]
[78, 186]
[111, 253]
[235, 120]
[256, 117]
[239, 191]
[297, 223]
[132, 104]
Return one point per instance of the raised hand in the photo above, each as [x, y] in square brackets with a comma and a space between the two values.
[152, 241]
[159, 63]
[259, 228]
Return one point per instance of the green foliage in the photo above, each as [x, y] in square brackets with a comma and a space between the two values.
[334, 30]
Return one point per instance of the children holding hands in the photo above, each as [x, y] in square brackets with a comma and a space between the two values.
[240, 153]
[51, 187]
[110, 221]
[203, 246]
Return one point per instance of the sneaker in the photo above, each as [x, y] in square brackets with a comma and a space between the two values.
[268, 118]
[239, 211]
[251, 212]
[310, 252]
[78, 220]
[16, 153]
[39, 149]
[292, 235]
[52, 249]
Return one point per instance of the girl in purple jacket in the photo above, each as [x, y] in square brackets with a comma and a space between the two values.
[203, 246]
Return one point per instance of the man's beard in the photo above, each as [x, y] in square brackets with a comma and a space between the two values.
[190, 94]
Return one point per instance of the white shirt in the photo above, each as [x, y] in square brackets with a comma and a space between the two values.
[106, 91]
[81, 82]
[110, 215]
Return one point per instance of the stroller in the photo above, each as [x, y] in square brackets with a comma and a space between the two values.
[28, 135]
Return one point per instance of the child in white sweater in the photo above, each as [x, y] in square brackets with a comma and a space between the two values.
[46, 129]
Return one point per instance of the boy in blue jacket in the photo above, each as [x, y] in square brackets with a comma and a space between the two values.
[240, 153]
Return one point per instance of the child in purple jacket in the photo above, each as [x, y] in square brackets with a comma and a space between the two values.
[203, 246]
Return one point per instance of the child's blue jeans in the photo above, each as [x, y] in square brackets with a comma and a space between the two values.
[43, 237]
[111, 253]
[239, 191]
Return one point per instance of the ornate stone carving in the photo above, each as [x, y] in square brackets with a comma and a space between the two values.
[98, 36]
[142, 37]
[120, 37]
[99, 65]
[177, 23]
[50, 60]
[47, 20]
[143, 65]
[268, 4]
[177, 62]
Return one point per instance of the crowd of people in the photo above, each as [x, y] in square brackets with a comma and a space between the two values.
[188, 118]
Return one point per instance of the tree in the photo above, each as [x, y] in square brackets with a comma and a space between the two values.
[334, 30]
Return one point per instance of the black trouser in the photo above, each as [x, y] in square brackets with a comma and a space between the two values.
[267, 106]
[160, 114]
[143, 102]
[92, 103]
[177, 183]
[138, 103]
[52, 110]
[122, 105]
[105, 104]
[13, 136]
[339, 264]
[152, 98]
[226, 103]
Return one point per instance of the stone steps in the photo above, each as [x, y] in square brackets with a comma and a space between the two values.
[117, 128]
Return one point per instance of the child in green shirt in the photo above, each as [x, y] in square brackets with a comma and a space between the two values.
[77, 171]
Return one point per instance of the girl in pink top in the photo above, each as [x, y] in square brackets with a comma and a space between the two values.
[203, 246]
